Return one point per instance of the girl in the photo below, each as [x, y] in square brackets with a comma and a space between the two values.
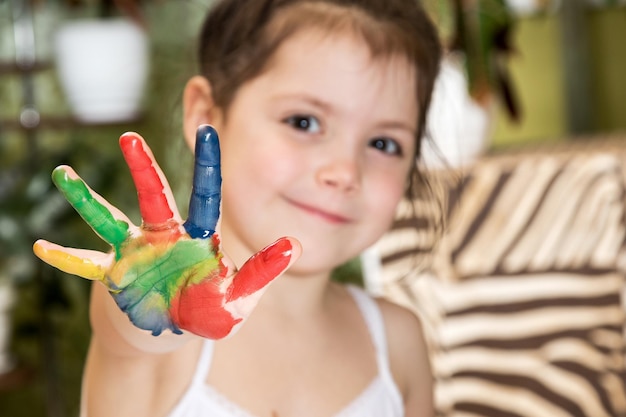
[320, 106]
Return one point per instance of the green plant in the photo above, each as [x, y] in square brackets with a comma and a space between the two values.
[480, 31]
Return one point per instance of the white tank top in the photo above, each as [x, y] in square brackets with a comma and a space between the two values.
[380, 398]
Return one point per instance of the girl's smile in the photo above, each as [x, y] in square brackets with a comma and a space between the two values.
[323, 214]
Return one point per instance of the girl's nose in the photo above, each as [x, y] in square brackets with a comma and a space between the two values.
[342, 173]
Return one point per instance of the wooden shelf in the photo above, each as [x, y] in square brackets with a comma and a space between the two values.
[14, 68]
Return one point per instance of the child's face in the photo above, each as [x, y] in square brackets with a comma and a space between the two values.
[317, 147]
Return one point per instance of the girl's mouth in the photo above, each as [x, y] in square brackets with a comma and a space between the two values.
[326, 215]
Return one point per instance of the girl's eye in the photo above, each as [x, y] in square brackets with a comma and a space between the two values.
[386, 145]
[307, 123]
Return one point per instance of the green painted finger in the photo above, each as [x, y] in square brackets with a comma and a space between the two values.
[96, 214]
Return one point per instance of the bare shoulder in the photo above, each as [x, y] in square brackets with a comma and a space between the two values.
[408, 357]
[405, 333]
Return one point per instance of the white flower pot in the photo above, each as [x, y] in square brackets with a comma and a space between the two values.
[102, 66]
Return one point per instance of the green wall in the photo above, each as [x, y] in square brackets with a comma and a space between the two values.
[608, 40]
[538, 75]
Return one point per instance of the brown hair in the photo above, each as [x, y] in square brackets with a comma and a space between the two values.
[239, 37]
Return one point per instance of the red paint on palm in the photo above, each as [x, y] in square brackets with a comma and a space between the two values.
[211, 310]
[200, 309]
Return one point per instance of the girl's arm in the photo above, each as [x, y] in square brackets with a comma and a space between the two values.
[128, 371]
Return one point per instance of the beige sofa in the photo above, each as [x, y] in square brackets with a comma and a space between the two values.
[522, 296]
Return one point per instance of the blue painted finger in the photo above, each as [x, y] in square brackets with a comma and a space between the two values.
[204, 205]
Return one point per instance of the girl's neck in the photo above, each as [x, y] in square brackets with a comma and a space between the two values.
[297, 296]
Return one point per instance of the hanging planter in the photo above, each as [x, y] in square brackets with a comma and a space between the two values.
[103, 67]
[102, 59]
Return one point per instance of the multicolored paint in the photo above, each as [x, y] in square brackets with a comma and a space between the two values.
[165, 274]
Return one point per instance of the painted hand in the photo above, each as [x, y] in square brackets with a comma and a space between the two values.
[167, 274]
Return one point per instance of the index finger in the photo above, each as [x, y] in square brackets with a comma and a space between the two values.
[206, 192]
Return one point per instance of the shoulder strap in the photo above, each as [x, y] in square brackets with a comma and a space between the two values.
[376, 325]
[374, 320]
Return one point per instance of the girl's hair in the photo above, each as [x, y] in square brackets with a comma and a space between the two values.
[239, 37]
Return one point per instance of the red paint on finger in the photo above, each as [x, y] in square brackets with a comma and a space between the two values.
[261, 269]
[153, 203]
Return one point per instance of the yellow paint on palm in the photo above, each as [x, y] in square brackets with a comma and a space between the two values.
[135, 254]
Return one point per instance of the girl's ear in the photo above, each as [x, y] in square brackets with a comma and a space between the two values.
[197, 107]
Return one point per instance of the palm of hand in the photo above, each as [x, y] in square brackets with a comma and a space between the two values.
[149, 281]
[166, 274]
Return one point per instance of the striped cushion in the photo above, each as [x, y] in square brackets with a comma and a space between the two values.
[522, 297]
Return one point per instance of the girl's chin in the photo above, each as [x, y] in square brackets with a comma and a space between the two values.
[315, 264]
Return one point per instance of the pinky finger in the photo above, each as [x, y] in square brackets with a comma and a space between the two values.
[84, 263]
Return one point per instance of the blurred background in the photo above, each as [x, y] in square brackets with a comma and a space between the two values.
[518, 75]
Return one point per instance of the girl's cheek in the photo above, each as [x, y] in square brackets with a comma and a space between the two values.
[395, 192]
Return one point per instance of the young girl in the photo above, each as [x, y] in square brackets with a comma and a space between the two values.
[320, 108]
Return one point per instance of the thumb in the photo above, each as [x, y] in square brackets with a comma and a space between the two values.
[263, 267]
